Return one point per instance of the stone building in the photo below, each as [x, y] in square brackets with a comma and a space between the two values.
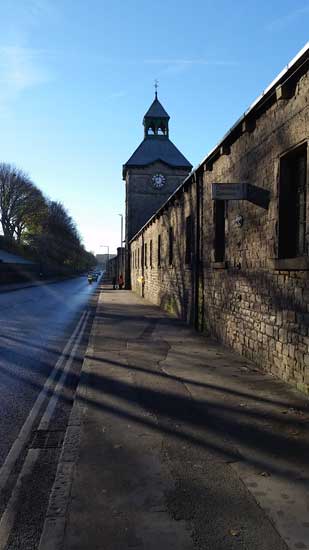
[228, 252]
[115, 266]
[153, 172]
[103, 259]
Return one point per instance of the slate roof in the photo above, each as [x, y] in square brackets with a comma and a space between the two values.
[156, 110]
[155, 148]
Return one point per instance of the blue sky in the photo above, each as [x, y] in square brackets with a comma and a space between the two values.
[77, 77]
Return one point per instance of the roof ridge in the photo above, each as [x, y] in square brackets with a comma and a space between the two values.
[151, 150]
[156, 110]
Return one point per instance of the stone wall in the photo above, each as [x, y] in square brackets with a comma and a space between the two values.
[142, 199]
[252, 301]
[260, 311]
[169, 286]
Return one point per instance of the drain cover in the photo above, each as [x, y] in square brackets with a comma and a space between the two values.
[47, 439]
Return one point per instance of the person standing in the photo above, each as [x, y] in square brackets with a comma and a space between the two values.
[114, 282]
[120, 281]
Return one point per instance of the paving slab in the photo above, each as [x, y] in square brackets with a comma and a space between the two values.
[178, 443]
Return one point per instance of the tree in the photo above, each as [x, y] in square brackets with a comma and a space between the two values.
[58, 241]
[20, 201]
[45, 229]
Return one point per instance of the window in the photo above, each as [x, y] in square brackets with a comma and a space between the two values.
[159, 250]
[170, 246]
[138, 257]
[150, 254]
[145, 254]
[219, 222]
[189, 240]
[292, 204]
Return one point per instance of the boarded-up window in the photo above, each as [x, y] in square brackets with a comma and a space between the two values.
[150, 253]
[159, 250]
[145, 254]
[170, 246]
[293, 204]
[189, 240]
[219, 222]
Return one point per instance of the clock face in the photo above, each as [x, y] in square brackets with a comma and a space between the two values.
[158, 180]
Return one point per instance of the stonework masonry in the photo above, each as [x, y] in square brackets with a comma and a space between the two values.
[253, 298]
[142, 200]
[152, 174]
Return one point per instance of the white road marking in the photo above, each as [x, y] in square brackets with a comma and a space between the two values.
[25, 432]
[60, 384]
[8, 517]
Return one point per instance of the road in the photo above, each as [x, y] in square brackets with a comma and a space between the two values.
[44, 331]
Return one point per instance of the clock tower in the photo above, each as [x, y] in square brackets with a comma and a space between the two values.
[153, 172]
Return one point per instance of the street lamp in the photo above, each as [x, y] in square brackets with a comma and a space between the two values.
[121, 230]
[121, 245]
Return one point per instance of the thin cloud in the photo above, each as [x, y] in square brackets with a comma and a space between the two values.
[286, 20]
[36, 10]
[115, 95]
[20, 69]
[174, 66]
[187, 62]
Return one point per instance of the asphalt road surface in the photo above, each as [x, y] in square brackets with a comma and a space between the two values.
[43, 334]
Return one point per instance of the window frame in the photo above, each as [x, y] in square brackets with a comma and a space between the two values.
[287, 252]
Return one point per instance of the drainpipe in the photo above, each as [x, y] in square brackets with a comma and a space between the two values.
[143, 262]
[197, 261]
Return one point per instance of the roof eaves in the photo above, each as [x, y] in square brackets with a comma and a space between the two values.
[270, 89]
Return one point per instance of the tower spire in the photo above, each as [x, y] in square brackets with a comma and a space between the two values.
[156, 85]
[156, 119]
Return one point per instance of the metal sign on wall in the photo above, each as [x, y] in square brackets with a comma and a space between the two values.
[240, 192]
[229, 191]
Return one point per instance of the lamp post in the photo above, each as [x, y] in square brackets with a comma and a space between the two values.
[121, 245]
[121, 230]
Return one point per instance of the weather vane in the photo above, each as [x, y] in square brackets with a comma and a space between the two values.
[156, 85]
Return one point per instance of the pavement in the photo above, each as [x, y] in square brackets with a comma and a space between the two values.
[176, 442]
